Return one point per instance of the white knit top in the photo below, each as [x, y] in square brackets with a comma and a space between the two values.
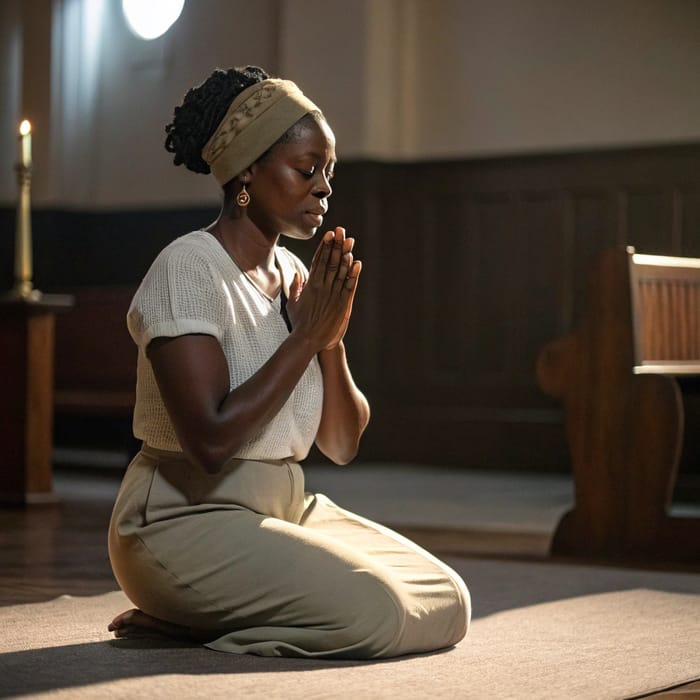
[194, 286]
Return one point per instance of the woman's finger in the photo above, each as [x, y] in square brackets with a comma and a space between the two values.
[335, 255]
[295, 287]
[352, 276]
[320, 259]
[343, 269]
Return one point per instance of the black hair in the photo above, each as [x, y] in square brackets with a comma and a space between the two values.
[202, 110]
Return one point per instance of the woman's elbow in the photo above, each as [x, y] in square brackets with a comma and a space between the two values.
[344, 458]
[207, 455]
[339, 452]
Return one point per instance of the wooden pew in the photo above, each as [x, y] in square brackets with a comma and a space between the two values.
[95, 362]
[617, 376]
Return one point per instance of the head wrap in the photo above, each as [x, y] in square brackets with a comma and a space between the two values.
[258, 116]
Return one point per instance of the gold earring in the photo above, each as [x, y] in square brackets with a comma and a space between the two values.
[243, 198]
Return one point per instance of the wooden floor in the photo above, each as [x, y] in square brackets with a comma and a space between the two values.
[51, 550]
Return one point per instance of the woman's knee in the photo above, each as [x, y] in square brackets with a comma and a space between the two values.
[391, 621]
[435, 619]
[462, 612]
[371, 618]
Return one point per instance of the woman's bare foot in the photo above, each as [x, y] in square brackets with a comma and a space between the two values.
[136, 624]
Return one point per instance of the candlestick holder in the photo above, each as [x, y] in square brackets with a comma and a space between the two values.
[23, 288]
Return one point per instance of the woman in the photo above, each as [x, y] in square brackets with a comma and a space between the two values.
[241, 368]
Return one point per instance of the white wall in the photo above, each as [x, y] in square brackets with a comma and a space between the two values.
[323, 47]
[398, 79]
[542, 75]
[10, 73]
[129, 98]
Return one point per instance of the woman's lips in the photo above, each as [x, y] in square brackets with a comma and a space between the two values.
[314, 218]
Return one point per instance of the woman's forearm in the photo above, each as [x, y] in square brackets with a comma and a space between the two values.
[211, 422]
[345, 409]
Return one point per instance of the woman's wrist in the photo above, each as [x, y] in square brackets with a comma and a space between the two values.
[304, 342]
[329, 354]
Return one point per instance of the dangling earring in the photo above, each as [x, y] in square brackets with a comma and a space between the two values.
[243, 198]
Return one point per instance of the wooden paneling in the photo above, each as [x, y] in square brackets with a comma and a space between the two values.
[444, 308]
[688, 220]
[95, 356]
[649, 220]
[595, 229]
[470, 267]
[543, 297]
[493, 287]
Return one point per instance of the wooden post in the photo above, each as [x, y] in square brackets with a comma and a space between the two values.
[26, 403]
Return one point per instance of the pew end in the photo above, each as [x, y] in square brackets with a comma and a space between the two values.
[617, 377]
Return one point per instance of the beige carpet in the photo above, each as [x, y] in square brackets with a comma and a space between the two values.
[540, 631]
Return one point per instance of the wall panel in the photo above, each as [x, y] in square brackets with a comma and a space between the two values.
[542, 299]
[493, 286]
[649, 219]
[689, 214]
[470, 267]
[594, 229]
[444, 312]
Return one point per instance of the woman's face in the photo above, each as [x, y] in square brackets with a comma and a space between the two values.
[289, 188]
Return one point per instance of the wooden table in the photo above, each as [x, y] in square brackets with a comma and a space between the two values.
[26, 396]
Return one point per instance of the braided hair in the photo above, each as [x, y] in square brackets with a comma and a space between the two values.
[201, 111]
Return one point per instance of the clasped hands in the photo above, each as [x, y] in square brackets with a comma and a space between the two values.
[321, 307]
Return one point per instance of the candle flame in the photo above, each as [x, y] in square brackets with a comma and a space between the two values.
[25, 127]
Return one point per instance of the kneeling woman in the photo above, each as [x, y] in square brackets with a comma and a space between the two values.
[241, 367]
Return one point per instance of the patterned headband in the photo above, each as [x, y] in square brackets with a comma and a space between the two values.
[255, 120]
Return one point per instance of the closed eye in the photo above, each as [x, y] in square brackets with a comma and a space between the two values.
[310, 173]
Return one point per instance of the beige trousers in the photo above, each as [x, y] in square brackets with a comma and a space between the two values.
[272, 570]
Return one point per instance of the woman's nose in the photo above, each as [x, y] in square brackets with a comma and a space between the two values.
[323, 189]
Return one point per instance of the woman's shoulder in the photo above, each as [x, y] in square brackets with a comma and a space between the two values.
[189, 260]
[196, 250]
[178, 291]
[195, 244]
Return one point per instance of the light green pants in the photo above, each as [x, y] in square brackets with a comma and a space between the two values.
[275, 571]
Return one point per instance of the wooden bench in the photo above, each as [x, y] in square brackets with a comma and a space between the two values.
[95, 360]
[617, 376]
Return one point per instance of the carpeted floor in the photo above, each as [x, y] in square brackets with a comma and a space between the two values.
[539, 631]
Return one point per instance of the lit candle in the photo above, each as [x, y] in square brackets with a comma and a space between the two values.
[25, 141]
[23, 224]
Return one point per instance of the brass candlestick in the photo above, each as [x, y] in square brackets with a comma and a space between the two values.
[23, 287]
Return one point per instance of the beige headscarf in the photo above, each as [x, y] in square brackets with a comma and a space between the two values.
[258, 116]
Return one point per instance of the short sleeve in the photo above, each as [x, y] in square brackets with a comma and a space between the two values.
[181, 294]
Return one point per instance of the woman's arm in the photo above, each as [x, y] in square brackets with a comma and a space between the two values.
[345, 409]
[213, 423]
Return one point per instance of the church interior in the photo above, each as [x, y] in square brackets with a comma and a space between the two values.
[523, 182]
